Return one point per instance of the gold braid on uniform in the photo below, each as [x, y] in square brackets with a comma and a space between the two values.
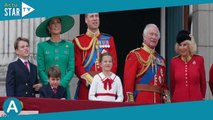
[90, 34]
[92, 52]
[151, 56]
[93, 43]
[143, 62]
[83, 48]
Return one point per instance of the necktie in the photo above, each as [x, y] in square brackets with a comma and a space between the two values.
[26, 65]
[55, 90]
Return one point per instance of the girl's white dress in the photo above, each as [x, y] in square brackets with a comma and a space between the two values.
[106, 89]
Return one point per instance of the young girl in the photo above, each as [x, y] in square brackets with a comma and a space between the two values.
[106, 86]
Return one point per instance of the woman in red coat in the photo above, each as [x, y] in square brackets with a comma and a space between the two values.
[187, 74]
[211, 79]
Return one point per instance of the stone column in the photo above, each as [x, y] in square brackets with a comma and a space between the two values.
[203, 33]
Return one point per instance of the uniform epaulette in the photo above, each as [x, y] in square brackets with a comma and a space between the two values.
[132, 52]
[105, 34]
[135, 50]
[79, 35]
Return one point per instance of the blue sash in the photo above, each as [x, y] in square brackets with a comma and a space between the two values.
[92, 62]
[102, 37]
[148, 75]
[94, 57]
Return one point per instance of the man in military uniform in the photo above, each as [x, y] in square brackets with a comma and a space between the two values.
[88, 47]
[144, 72]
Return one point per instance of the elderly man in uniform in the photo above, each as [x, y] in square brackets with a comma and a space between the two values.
[144, 72]
[88, 48]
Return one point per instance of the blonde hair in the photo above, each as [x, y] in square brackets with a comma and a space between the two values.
[192, 46]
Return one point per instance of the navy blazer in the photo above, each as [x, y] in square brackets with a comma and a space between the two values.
[47, 92]
[19, 81]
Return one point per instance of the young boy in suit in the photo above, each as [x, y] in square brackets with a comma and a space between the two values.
[21, 78]
[53, 88]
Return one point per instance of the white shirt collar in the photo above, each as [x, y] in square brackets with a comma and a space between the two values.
[23, 60]
[104, 77]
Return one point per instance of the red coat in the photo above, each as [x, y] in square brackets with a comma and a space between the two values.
[188, 81]
[134, 66]
[211, 78]
[81, 55]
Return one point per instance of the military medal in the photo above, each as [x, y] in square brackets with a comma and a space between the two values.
[97, 65]
[108, 46]
[155, 79]
[100, 42]
[105, 44]
[161, 72]
[156, 67]
[159, 61]
[160, 79]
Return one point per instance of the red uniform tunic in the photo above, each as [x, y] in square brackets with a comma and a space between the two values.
[188, 81]
[144, 68]
[83, 48]
[211, 78]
